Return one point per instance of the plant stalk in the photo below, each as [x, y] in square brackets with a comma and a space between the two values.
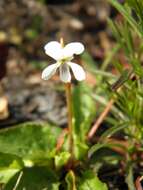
[70, 126]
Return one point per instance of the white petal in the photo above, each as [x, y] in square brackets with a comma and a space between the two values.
[78, 71]
[54, 50]
[73, 48]
[49, 71]
[65, 75]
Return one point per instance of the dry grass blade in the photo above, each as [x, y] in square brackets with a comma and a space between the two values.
[100, 119]
[18, 180]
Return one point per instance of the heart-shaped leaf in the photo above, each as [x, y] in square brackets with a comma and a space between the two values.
[36, 178]
[29, 140]
[9, 166]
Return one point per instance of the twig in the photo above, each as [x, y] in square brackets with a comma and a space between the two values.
[100, 119]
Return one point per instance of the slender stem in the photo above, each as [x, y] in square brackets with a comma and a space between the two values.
[70, 126]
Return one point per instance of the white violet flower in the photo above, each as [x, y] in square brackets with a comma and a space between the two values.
[63, 57]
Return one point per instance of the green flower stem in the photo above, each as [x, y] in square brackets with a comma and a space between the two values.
[69, 108]
[70, 126]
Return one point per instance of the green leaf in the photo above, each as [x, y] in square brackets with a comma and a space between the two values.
[103, 157]
[25, 144]
[7, 173]
[126, 12]
[29, 141]
[129, 176]
[61, 159]
[84, 110]
[138, 69]
[36, 178]
[80, 149]
[109, 132]
[98, 146]
[70, 179]
[7, 159]
[89, 181]
[115, 30]
[122, 79]
[137, 6]
[9, 166]
[109, 57]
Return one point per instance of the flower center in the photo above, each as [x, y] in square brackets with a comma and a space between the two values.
[66, 59]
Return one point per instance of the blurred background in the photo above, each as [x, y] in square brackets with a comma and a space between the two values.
[26, 26]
